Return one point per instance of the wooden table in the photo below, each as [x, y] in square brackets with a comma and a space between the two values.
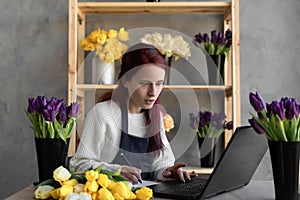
[255, 190]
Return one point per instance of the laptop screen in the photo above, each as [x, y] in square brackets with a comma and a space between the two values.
[238, 162]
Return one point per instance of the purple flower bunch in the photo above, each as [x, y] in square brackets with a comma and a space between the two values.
[208, 124]
[217, 44]
[52, 118]
[279, 120]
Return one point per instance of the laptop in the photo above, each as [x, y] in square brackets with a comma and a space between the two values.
[233, 170]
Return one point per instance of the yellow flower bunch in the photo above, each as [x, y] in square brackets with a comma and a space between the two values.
[97, 186]
[168, 122]
[108, 44]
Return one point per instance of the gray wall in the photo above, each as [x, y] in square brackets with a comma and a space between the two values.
[33, 54]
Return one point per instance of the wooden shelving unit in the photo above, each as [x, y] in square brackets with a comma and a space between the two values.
[229, 10]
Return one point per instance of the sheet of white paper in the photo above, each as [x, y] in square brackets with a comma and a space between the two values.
[145, 184]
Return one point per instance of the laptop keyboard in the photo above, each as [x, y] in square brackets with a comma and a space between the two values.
[190, 187]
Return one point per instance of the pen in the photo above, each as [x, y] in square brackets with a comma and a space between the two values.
[128, 163]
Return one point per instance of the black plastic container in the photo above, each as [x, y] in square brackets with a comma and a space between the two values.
[51, 153]
[285, 165]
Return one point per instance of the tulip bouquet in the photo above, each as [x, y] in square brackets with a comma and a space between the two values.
[168, 45]
[279, 121]
[208, 124]
[52, 118]
[217, 44]
[93, 184]
[109, 45]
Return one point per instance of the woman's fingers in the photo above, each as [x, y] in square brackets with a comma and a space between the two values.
[131, 173]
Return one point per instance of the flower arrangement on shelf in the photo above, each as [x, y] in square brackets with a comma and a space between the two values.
[279, 120]
[217, 44]
[168, 45]
[168, 122]
[92, 184]
[209, 125]
[52, 118]
[109, 45]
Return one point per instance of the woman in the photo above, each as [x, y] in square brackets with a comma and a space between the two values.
[125, 130]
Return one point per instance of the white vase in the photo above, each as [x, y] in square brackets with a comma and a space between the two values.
[102, 72]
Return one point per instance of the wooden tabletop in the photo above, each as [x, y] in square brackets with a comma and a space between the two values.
[255, 190]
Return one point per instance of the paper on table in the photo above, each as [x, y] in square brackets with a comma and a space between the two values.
[145, 184]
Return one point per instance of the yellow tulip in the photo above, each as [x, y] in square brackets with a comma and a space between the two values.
[64, 190]
[43, 192]
[121, 190]
[71, 182]
[144, 193]
[105, 194]
[94, 195]
[91, 175]
[123, 35]
[103, 180]
[91, 186]
[112, 33]
[54, 194]
[61, 174]
[89, 47]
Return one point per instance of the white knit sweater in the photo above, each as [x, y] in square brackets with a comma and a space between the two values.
[101, 137]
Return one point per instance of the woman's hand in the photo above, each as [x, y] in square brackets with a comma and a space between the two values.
[176, 172]
[133, 174]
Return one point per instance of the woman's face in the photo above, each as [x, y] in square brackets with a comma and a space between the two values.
[144, 87]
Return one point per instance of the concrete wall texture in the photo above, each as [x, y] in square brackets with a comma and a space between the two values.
[34, 61]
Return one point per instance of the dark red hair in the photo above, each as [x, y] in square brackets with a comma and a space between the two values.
[136, 57]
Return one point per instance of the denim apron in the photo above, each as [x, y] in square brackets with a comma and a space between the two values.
[134, 150]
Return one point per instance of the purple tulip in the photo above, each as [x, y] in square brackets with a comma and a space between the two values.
[292, 109]
[228, 44]
[214, 37]
[229, 125]
[228, 34]
[31, 105]
[205, 37]
[56, 104]
[62, 114]
[277, 109]
[207, 116]
[217, 120]
[49, 114]
[73, 109]
[198, 38]
[193, 122]
[256, 101]
[40, 103]
[222, 41]
[256, 126]
[220, 36]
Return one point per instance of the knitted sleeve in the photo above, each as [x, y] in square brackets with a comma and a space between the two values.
[92, 150]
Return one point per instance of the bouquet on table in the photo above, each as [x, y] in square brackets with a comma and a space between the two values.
[278, 120]
[94, 184]
[52, 118]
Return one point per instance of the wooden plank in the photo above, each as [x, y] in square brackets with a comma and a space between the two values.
[72, 71]
[197, 87]
[154, 7]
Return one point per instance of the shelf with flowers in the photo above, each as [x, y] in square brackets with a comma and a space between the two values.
[108, 47]
[279, 121]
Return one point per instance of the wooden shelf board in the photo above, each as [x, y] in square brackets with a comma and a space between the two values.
[196, 87]
[154, 7]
